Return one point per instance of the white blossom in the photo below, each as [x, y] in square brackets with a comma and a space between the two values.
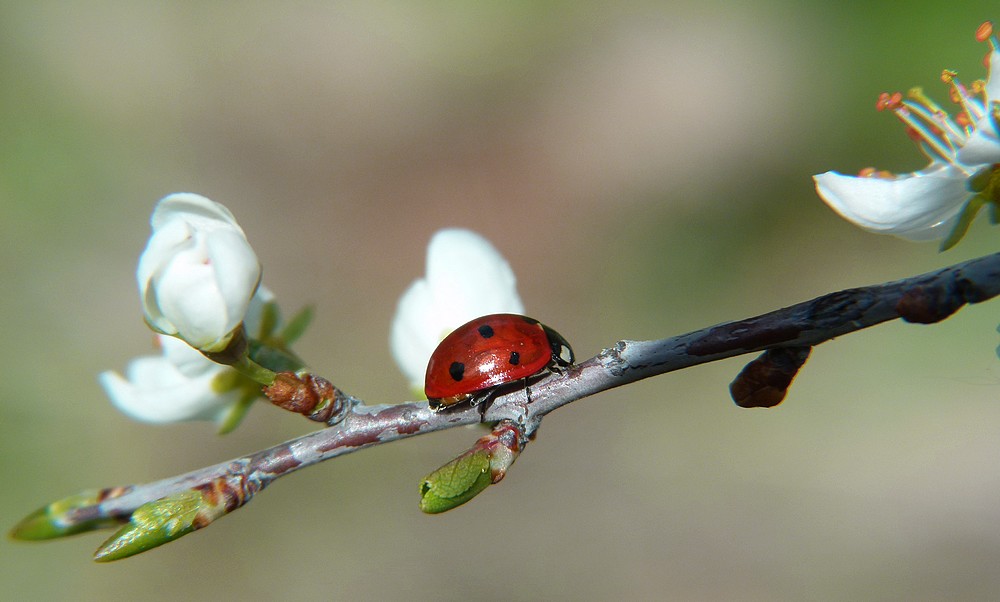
[197, 273]
[466, 277]
[181, 383]
[940, 200]
[175, 386]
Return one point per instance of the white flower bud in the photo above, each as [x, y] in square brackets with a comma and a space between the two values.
[197, 273]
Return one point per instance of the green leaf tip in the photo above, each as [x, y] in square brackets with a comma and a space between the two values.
[236, 412]
[455, 483]
[55, 520]
[269, 318]
[965, 217]
[297, 325]
[153, 524]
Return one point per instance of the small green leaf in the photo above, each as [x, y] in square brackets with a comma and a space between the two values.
[152, 525]
[297, 325]
[268, 320]
[455, 483]
[54, 520]
[276, 360]
[965, 217]
[980, 180]
[234, 416]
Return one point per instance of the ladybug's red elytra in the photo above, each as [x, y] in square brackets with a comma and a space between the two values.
[490, 351]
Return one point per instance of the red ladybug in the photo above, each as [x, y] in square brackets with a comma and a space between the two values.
[490, 351]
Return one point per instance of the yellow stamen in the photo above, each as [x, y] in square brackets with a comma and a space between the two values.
[917, 93]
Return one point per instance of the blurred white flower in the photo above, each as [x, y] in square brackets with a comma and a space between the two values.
[466, 278]
[181, 383]
[942, 199]
[175, 386]
[197, 273]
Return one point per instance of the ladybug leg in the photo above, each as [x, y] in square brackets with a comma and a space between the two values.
[557, 369]
[486, 399]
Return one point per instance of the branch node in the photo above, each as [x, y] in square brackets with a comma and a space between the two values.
[927, 305]
[312, 396]
[764, 382]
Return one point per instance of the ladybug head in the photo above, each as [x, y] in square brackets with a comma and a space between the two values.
[562, 353]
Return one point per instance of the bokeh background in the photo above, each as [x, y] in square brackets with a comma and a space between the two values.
[646, 170]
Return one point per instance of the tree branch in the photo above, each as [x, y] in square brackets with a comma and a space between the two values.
[926, 298]
[922, 299]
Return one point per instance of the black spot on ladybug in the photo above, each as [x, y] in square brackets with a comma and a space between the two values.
[486, 331]
[456, 370]
[515, 358]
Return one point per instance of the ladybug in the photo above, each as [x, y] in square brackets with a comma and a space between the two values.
[493, 350]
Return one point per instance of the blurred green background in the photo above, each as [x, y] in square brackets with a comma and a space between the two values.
[646, 170]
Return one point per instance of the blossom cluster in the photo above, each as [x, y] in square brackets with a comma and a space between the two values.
[942, 199]
[199, 284]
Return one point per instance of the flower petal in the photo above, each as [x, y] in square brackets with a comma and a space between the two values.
[186, 359]
[193, 208]
[919, 206]
[181, 383]
[466, 278]
[156, 391]
[983, 146]
[416, 331]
